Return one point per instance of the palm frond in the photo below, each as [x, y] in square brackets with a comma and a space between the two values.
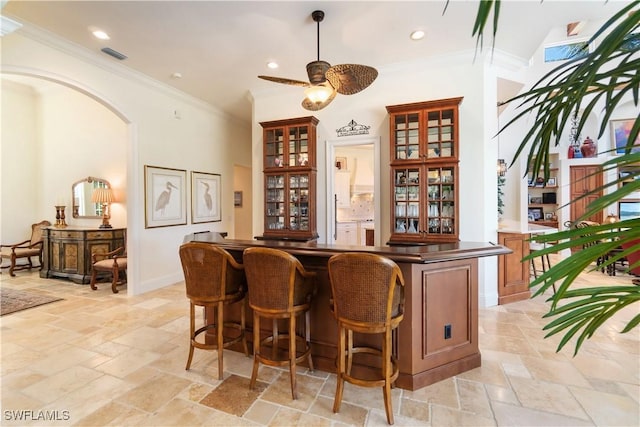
[609, 76]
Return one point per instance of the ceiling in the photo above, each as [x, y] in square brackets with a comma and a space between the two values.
[219, 47]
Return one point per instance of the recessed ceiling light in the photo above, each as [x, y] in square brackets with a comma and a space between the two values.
[417, 35]
[272, 64]
[99, 34]
[176, 75]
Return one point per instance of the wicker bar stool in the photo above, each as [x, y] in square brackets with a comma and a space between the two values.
[368, 298]
[213, 280]
[279, 288]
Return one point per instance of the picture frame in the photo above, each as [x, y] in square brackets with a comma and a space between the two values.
[205, 197]
[548, 216]
[535, 213]
[535, 200]
[165, 196]
[551, 182]
[237, 199]
[620, 130]
[628, 209]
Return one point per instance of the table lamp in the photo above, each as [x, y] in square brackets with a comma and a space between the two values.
[611, 219]
[104, 196]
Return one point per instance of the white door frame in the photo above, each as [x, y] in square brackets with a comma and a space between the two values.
[330, 168]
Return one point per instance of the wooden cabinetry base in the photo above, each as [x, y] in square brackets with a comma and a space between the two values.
[513, 274]
[439, 373]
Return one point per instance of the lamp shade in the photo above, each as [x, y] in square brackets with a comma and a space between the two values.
[102, 195]
[318, 94]
[611, 219]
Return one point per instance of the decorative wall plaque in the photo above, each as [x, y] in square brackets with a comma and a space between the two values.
[353, 128]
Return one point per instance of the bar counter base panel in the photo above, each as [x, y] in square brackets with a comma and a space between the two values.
[441, 294]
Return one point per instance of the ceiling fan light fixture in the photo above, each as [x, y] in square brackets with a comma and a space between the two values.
[272, 65]
[318, 94]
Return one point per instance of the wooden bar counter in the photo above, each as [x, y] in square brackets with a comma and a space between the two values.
[438, 337]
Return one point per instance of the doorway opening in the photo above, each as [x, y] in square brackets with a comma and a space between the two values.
[353, 191]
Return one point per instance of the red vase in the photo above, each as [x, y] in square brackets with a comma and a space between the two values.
[570, 153]
[588, 148]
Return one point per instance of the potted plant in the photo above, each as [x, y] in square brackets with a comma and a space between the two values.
[608, 75]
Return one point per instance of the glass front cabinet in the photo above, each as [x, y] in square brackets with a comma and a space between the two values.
[424, 172]
[290, 179]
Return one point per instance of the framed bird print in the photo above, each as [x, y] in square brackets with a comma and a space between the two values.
[165, 196]
[205, 197]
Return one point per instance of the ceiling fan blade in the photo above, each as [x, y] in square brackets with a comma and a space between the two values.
[285, 81]
[351, 78]
[308, 104]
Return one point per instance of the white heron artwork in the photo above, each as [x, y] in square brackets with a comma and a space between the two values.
[164, 199]
[208, 202]
[205, 197]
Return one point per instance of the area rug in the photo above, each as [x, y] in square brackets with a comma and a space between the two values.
[16, 300]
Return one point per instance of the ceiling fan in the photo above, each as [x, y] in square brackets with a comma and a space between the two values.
[326, 80]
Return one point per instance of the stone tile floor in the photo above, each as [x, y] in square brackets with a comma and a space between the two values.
[98, 359]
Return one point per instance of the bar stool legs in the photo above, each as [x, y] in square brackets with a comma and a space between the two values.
[546, 264]
[274, 340]
[279, 289]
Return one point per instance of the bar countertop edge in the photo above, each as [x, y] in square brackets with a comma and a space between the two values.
[423, 254]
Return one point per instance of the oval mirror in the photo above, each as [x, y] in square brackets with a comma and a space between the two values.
[81, 191]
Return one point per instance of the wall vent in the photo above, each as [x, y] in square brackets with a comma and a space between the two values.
[114, 53]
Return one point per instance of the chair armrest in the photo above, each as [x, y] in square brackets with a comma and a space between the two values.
[16, 245]
[118, 252]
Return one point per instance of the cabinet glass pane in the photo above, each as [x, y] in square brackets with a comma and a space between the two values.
[274, 147]
[407, 136]
[298, 146]
[447, 117]
[407, 200]
[441, 200]
[299, 202]
[274, 202]
[440, 133]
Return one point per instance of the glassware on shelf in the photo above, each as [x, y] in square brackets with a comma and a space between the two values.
[412, 226]
[400, 228]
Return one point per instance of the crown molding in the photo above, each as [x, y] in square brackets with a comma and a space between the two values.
[8, 25]
[56, 42]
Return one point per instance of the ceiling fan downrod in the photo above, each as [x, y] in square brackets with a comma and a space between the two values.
[316, 69]
[318, 16]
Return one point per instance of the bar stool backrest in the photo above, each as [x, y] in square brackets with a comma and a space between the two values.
[210, 272]
[275, 279]
[366, 288]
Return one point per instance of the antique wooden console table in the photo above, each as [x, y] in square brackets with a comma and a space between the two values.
[438, 337]
[67, 251]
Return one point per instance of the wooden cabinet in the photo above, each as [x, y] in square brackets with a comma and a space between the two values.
[290, 179]
[343, 192]
[424, 172]
[67, 251]
[347, 233]
[513, 273]
[584, 179]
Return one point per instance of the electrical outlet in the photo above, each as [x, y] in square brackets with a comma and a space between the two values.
[447, 332]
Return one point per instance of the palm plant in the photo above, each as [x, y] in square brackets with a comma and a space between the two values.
[606, 77]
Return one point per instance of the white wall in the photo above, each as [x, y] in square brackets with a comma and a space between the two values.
[200, 141]
[18, 147]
